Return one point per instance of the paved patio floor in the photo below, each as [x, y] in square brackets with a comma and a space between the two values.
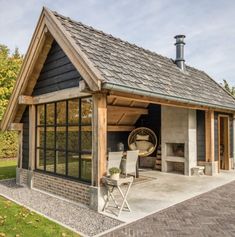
[166, 189]
[208, 215]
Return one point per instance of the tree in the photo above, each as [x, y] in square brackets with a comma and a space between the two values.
[9, 68]
[227, 87]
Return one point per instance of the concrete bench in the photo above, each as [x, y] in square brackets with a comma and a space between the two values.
[198, 170]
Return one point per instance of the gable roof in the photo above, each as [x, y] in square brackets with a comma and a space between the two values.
[126, 65]
[110, 63]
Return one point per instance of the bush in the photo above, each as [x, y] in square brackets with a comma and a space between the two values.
[8, 144]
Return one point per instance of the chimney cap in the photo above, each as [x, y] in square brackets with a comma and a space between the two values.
[179, 36]
[179, 39]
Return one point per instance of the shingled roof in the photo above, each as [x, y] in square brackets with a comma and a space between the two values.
[126, 65]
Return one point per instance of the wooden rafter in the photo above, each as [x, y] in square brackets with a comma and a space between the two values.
[124, 109]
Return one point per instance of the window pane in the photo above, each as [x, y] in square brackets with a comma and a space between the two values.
[86, 167]
[40, 159]
[73, 164]
[40, 114]
[73, 138]
[50, 137]
[50, 114]
[60, 163]
[73, 111]
[61, 138]
[86, 139]
[61, 112]
[50, 161]
[40, 137]
[86, 105]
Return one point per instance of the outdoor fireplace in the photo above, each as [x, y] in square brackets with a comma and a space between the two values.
[175, 149]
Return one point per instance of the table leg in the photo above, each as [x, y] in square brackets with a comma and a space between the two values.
[124, 196]
[137, 167]
[110, 194]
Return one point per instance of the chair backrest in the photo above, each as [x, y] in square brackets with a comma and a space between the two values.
[131, 160]
[114, 159]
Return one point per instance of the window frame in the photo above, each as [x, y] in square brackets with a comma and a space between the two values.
[80, 125]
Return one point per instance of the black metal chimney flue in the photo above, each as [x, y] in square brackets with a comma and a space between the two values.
[180, 62]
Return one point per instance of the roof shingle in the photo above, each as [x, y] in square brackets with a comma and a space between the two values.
[125, 64]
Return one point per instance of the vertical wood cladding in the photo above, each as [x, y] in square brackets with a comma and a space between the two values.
[58, 73]
[201, 150]
[25, 142]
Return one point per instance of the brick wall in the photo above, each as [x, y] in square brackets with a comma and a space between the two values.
[23, 176]
[68, 189]
[179, 167]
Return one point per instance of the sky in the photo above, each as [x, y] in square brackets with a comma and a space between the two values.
[209, 26]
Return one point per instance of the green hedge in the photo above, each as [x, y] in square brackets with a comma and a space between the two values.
[8, 144]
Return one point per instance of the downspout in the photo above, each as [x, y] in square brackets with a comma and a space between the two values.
[141, 92]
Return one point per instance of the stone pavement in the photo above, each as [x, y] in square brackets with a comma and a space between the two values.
[209, 214]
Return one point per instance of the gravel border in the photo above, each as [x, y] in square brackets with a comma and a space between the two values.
[81, 219]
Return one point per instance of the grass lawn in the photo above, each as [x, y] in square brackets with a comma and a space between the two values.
[7, 169]
[17, 221]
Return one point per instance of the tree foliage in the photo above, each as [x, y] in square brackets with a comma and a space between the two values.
[227, 87]
[9, 68]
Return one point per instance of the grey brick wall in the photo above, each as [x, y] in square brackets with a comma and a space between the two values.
[72, 190]
[23, 176]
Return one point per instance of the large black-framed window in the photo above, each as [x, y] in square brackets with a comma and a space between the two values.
[64, 138]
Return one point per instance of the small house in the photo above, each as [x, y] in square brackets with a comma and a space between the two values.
[81, 93]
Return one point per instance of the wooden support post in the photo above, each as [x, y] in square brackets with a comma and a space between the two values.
[99, 137]
[210, 136]
[32, 120]
[20, 149]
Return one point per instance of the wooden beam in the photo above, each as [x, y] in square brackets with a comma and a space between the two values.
[80, 61]
[120, 128]
[59, 95]
[147, 99]
[30, 60]
[99, 138]
[124, 109]
[32, 125]
[53, 96]
[210, 136]
[16, 127]
[25, 100]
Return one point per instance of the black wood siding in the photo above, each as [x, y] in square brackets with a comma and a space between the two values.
[25, 142]
[201, 135]
[58, 73]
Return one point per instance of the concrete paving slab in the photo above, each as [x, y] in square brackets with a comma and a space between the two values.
[165, 190]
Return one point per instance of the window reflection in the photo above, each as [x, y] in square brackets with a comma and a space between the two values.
[64, 138]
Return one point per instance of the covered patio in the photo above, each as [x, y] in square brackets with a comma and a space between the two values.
[157, 190]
